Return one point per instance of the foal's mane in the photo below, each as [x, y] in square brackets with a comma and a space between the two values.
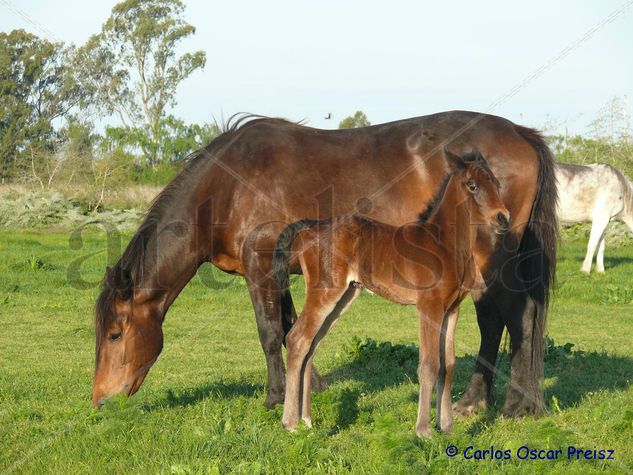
[434, 203]
[473, 158]
[119, 280]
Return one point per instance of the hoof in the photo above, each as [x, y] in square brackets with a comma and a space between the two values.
[424, 433]
[273, 398]
[290, 426]
[585, 271]
[468, 408]
[522, 407]
[447, 429]
[308, 422]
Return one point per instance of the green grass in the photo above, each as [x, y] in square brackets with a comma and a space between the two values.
[200, 410]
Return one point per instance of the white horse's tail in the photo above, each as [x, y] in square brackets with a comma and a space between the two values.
[627, 196]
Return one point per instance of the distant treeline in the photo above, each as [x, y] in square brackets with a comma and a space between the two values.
[127, 75]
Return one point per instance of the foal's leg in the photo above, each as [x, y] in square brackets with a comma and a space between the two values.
[598, 226]
[308, 375]
[289, 316]
[431, 315]
[445, 376]
[300, 340]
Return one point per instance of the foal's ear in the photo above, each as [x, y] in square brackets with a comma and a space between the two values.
[478, 157]
[455, 162]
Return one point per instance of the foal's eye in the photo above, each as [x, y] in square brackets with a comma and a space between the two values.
[472, 186]
[115, 336]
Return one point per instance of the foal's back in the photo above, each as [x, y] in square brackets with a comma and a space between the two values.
[395, 262]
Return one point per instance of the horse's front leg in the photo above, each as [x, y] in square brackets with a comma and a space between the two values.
[265, 298]
[445, 375]
[431, 315]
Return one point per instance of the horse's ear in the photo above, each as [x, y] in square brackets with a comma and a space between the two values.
[455, 162]
[120, 281]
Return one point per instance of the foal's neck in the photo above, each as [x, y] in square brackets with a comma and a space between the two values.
[452, 220]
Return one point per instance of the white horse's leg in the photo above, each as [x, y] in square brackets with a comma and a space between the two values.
[600, 256]
[598, 226]
[628, 220]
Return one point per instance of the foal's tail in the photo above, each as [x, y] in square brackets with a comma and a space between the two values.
[281, 261]
[537, 252]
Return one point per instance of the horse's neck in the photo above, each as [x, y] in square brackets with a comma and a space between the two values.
[168, 265]
[453, 221]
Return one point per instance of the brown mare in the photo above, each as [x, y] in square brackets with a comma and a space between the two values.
[429, 264]
[236, 195]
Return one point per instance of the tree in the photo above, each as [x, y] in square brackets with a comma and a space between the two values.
[133, 68]
[38, 85]
[359, 119]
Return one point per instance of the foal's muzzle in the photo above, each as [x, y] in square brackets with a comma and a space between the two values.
[503, 223]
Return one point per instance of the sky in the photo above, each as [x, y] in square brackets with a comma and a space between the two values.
[302, 59]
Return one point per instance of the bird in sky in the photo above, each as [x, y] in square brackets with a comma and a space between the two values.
[329, 116]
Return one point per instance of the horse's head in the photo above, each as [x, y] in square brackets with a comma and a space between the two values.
[482, 187]
[129, 337]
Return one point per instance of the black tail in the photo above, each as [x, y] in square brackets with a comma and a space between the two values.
[537, 252]
[281, 264]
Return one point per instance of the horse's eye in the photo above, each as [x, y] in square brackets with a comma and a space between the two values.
[115, 336]
[472, 186]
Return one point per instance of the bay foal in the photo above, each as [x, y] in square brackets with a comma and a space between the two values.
[428, 263]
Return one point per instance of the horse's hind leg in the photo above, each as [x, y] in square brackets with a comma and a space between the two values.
[445, 375]
[479, 394]
[600, 256]
[320, 303]
[598, 226]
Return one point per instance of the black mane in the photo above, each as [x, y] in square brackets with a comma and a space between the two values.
[425, 215]
[119, 281]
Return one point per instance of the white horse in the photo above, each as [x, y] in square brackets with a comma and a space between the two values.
[596, 193]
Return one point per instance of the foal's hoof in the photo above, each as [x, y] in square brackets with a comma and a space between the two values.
[425, 433]
[290, 426]
[447, 429]
[273, 398]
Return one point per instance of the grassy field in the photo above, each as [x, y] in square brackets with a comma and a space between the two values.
[200, 410]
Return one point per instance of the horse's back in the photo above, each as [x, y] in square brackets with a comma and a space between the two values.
[273, 171]
[585, 190]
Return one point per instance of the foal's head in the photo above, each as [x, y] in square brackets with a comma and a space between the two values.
[482, 187]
